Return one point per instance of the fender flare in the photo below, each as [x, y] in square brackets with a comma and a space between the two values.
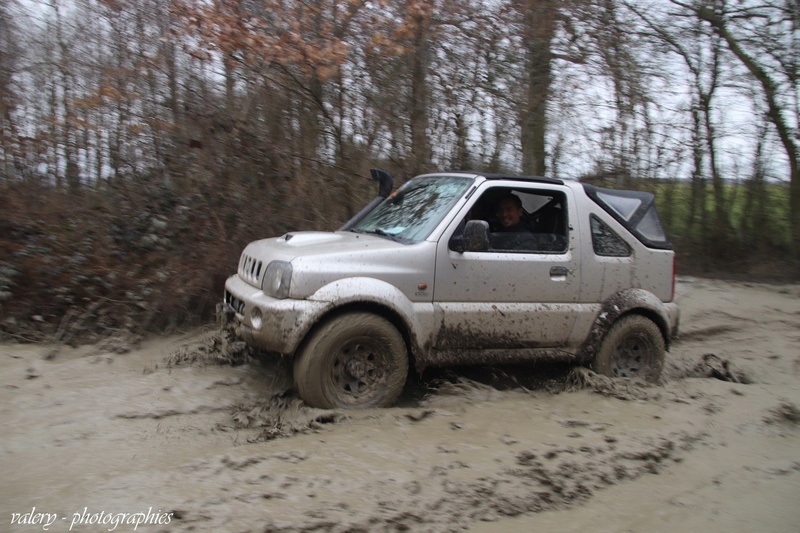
[628, 301]
[354, 292]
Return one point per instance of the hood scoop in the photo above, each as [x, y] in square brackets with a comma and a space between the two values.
[309, 238]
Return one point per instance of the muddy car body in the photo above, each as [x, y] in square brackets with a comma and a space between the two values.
[427, 276]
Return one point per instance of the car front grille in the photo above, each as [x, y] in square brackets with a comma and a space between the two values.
[234, 302]
[251, 270]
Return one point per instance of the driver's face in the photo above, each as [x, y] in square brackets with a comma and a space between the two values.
[509, 213]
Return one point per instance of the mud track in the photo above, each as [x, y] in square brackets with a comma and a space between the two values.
[198, 430]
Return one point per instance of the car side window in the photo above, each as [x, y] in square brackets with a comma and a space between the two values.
[522, 220]
[605, 240]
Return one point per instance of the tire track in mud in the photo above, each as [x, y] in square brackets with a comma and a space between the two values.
[456, 493]
[464, 446]
[452, 494]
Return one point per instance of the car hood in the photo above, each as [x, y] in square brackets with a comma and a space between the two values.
[302, 244]
[320, 258]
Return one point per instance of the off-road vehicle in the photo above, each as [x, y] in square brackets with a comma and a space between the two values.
[428, 276]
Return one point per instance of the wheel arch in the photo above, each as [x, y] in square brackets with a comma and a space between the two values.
[382, 310]
[373, 296]
[624, 303]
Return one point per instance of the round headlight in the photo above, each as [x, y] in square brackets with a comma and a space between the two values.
[277, 279]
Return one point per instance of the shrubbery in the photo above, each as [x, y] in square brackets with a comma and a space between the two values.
[145, 259]
[74, 268]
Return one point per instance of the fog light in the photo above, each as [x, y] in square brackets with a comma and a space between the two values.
[255, 318]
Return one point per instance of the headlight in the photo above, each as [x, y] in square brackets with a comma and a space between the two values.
[277, 279]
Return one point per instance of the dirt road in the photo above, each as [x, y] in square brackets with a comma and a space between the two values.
[159, 437]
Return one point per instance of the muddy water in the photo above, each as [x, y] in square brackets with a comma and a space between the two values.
[207, 445]
[81, 418]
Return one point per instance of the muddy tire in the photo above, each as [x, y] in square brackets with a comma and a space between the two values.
[354, 360]
[632, 348]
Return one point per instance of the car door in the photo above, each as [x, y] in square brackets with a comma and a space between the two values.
[506, 298]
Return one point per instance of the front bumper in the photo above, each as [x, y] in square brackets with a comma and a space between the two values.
[264, 322]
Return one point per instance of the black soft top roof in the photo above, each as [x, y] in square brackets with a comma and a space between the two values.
[638, 214]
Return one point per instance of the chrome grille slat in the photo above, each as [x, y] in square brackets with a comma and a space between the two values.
[251, 269]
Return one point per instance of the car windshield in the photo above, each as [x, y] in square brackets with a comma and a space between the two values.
[413, 211]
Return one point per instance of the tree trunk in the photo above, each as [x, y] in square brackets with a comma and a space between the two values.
[420, 59]
[539, 18]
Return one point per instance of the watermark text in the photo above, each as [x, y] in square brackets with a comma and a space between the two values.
[85, 517]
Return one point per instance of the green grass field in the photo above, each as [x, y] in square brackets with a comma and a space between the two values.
[750, 212]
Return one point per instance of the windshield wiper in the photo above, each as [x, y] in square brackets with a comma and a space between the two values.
[379, 232]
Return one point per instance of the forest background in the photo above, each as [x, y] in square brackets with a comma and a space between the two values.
[144, 143]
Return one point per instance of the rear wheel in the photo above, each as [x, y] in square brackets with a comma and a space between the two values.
[354, 360]
[633, 348]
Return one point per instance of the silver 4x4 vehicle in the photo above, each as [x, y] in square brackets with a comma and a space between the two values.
[428, 276]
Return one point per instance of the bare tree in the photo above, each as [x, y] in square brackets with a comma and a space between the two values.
[538, 21]
[701, 55]
[764, 37]
[9, 135]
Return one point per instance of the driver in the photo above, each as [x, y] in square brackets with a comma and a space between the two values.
[509, 214]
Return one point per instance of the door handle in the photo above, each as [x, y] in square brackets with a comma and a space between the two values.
[558, 272]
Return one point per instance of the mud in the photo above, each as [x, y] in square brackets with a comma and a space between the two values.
[210, 434]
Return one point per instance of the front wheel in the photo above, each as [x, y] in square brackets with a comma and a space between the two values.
[354, 360]
[633, 348]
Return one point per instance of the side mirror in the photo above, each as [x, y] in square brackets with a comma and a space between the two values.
[476, 236]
